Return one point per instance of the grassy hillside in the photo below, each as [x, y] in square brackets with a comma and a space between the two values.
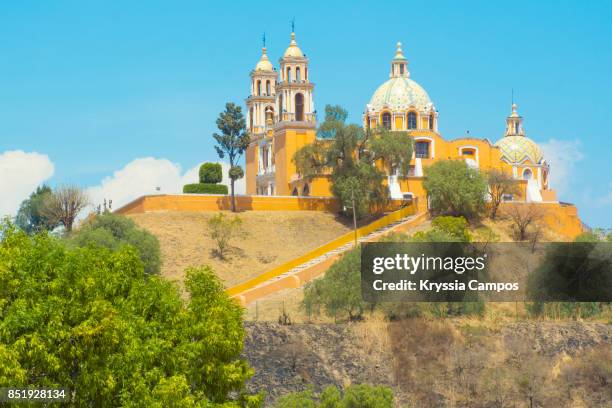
[271, 238]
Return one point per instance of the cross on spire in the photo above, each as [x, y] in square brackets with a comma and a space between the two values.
[293, 25]
[264, 39]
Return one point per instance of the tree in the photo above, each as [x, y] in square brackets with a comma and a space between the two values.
[500, 185]
[232, 142]
[90, 320]
[339, 291]
[455, 189]
[30, 217]
[222, 230]
[113, 231]
[64, 205]
[355, 159]
[523, 216]
[211, 173]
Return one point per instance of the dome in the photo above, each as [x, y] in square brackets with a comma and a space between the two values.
[399, 94]
[264, 63]
[516, 149]
[293, 51]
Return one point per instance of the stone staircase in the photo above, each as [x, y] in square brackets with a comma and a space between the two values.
[334, 253]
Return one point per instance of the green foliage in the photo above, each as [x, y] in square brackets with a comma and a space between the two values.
[91, 320]
[211, 173]
[587, 237]
[338, 292]
[222, 229]
[500, 184]
[30, 217]
[580, 272]
[232, 141]
[201, 188]
[114, 231]
[355, 396]
[455, 189]
[456, 227]
[350, 156]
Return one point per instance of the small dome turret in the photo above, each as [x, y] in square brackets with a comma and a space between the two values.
[264, 63]
[293, 51]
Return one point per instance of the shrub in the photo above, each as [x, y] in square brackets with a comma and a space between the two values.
[222, 230]
[211, 173]
[201, 188]
[359, 395]
[90, 320]
[455, 189]
[456, 227]
[339, 291]
[114, 231]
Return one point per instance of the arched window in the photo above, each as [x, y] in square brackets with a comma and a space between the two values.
[280, 107]
[294, 192]
[269, 115]
[421, 150]
[306, 190]
[268, 92]
[288, 74]
[431, 121]
[298, 74]
[258, 87]
[527, 174]
[306, 74]
[251, 119]
[516, 128]
[386, 120]
[412, 120]
[299, 107]
[401, 69]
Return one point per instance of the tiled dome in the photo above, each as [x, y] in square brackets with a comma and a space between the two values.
[399, 94]
[517, 149]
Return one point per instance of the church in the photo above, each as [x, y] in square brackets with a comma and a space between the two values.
[281, 119]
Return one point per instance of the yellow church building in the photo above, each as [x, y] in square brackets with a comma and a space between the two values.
[281, 118]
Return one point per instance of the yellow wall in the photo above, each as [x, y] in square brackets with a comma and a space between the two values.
[251, 169]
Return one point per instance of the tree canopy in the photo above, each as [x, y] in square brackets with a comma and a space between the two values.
[113, 231]
[89, 319]
[356, 159]
[30, 217]
[455, 189]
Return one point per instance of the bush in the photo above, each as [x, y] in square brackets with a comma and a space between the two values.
[211, 173]
[455, 189]
[90, 320]
[222, 230]
[115, 231]
[338, 292]
[456, 227]
[201, 188]
[360, 395]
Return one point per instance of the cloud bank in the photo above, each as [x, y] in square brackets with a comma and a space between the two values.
[149, 176]
[20, 174]
[563, 157]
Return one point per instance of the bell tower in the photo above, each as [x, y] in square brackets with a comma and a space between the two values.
[514, 123]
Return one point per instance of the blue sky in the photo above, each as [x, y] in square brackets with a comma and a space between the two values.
[95, 85]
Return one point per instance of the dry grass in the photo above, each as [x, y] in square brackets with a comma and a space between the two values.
[272, 238]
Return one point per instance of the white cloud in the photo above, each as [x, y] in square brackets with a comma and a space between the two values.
[563, 156]
[20, 174]
[144, 176]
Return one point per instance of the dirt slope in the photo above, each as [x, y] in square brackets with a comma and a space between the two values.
[271, 238]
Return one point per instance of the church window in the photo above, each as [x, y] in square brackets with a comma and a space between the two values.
[527, 174]
[299, 107]
[280, 107]
[386, 120]
[288, 74]
[306, 74]
[306, 190]
[412, 120]
[298, 77]
[269, 115]
[421, 150]
[295, 192]
[516, 128]
[431, 121]
[401, 69]
[258, 87]
[268, 92]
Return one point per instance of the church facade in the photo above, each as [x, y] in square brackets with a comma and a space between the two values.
[281, 119]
